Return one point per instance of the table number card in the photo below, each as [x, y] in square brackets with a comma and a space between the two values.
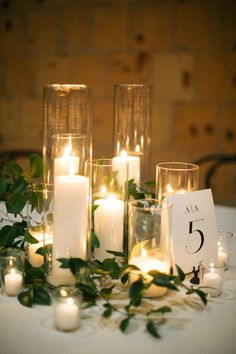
[193, 228]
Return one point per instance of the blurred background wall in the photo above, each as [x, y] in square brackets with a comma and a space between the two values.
[186, 49]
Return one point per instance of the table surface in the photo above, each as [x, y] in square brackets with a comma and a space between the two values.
[189, 329]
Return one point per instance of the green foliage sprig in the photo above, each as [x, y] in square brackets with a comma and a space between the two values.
[98, 281]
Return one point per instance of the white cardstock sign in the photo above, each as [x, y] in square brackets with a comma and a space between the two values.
[193, 228]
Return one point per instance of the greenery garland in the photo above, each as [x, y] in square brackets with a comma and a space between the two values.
[97, 280]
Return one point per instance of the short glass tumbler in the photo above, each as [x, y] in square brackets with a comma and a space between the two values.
[12, 262]
[212, 276]
[224, 240]
[66, 308]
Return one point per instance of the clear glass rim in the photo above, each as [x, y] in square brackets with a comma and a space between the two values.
[132, 85]
[156, 203]
[40, 187]
[224, 234]
[205, 263]
[66, 136]
[11, 252]
[177, 166]
[63, 87]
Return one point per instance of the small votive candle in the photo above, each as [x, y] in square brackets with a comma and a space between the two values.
[12, 271]
[67, 305]
[224, 245]
[212, 276]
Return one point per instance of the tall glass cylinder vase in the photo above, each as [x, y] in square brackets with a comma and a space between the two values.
[67, 145]
[109, 200]
[175, 178]
[132, 128]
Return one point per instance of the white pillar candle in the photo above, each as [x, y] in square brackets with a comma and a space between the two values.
[214, 281]
[13, 282]
[146, 264]
[67, 315]
[71, 196]
[109, 226]
[133, 167]
[36, 260]
[64, 164]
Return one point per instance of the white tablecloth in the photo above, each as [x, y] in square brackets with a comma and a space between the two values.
[188, 330]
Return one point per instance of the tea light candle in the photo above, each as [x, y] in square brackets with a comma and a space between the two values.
[67, 315]
[13, 282]
[109, 225]
[133, 167]
[213, 280]
[146, 264]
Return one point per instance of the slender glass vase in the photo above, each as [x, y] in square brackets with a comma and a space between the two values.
[132, 128]
[109, 200]
[67, 145]
[176, 178]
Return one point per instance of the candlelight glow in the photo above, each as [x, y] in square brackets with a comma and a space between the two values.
[169, 188]
[123, 153]
[137, 148]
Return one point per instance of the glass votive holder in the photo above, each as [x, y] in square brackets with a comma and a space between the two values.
[66, 308]
[212, 276]
[224, 239]
[12, 261]
[175, 178]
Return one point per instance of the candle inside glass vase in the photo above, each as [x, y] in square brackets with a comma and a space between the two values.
[149, 245]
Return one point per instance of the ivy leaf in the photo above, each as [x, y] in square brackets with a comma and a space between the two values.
[20, 227]
[108, 310]
[125, 322]
[95, 243]
[19, 185]
[41, 296]
[36, 166]
[202, 295]
[15, 203]
[26, 298]
[116, 254]
[40, 251]
[88, 292]
[135, 292]
[162, 281]
[180, 273]
[161, 310]
[29, 238]
[152, 329]
[8, 234]
[150, 183]
[3, 186]
[106, 292]
[94, 207]
[13, 169]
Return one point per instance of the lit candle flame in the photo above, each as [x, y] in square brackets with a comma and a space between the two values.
[104, 190]
[123, 153]
[137, 148]
[169, 188]
[143, 252]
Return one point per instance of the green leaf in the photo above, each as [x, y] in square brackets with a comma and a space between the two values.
[108, 310]
[26, 298]
[135, 292]
[125, 322]
[40, 251]
[136, 250]
[94, 207]
[76, 264]
[41, 296]
[180, 273]
[106, 292]
[161, 310]
[116, 254]
[8, 234]
[19, 185]
[36, 166]
[13, 169]
[150, 183]
[29, 238]
[202, 295]
[88, 292]
[152, 329]
[162, 281]
[95, 243]
[3, 186]
[15, 203]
